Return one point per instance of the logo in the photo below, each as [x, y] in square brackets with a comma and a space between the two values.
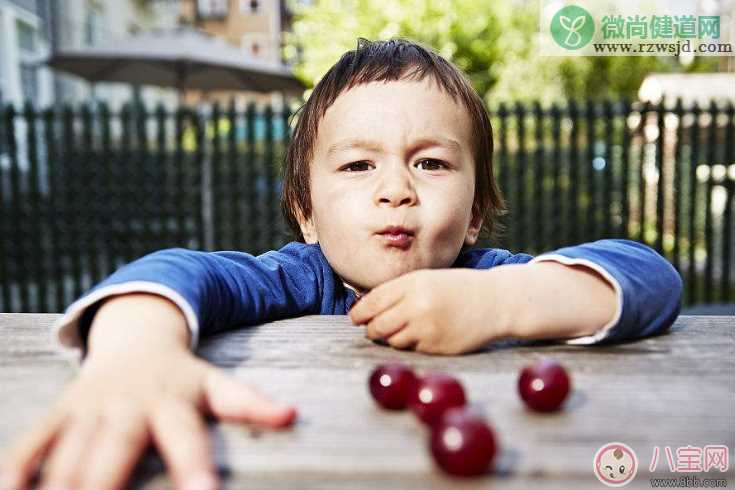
[572, 27]
[615, 464]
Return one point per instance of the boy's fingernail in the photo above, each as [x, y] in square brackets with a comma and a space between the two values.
[202, 481]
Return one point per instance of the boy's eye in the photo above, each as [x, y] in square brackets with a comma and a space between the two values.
[351, 166]
[433, 165]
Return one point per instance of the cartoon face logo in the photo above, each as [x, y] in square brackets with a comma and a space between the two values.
[615, 464]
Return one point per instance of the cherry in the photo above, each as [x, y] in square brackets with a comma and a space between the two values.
[462, 443]
[391, 384]
[434, 394]
[544, 385]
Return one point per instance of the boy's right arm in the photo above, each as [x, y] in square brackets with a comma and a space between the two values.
[137, 385]
[214, 290]
[127, 393]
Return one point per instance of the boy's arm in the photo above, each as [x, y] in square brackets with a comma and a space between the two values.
[602, 291]
[213, 290]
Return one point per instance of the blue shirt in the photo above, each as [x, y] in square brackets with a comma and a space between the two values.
[222, 290]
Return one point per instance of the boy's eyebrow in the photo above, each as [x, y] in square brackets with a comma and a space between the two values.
[419, 144]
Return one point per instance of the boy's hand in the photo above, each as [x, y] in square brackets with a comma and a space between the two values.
[99, 429]
[438, 311]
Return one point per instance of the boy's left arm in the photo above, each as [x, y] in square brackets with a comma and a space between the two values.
[602, 291]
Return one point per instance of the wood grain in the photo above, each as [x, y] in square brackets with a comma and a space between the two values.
[672, 390]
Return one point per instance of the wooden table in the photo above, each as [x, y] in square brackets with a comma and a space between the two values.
[674, 390]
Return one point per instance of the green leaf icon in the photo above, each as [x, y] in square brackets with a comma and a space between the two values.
[572, 27]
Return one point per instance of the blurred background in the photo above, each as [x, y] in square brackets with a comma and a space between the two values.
[128, 126]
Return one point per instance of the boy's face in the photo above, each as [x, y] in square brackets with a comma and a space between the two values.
[396, 181]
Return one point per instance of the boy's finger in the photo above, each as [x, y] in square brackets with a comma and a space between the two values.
[182, 439]
[233, 401]
[115, 453]
[63, 468]
[19, 463]
[404, 339]
[387, 323]
[377, 301]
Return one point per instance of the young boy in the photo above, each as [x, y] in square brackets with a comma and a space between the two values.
[387, 183]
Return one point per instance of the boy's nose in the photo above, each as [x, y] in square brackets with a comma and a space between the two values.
[396, 188]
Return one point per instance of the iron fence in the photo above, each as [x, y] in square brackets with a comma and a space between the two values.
[85, 190]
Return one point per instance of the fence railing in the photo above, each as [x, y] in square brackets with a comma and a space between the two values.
[84, 190]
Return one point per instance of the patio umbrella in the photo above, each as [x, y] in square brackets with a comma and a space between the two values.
[182, 58]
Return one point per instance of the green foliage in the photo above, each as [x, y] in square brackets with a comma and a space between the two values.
[465, 31]
[494, 43]
[616, 76]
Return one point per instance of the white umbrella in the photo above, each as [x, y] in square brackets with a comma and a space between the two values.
[181, 58]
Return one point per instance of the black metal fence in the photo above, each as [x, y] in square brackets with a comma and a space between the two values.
[84, 191]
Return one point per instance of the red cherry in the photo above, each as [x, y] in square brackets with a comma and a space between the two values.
[544, 385]
[391, 384]
[435, 393]
[462, 443]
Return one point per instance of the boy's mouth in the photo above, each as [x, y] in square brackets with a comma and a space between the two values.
[397, 236]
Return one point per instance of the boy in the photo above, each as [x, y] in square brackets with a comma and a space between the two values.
[387, 183]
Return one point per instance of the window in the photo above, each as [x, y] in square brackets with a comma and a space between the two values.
[29, 81]
[2, 82]
[92, 27]
[249, 6]
[26, 36]
[27, 46]
[256, 45]
[212, 8]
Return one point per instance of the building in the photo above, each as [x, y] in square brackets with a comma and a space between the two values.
[79, 23]
[254, 26]
[24, 41]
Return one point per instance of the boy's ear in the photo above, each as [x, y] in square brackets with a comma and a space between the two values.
[307, 229]
[473, 231]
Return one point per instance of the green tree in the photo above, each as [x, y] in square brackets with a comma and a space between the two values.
[493, 42]
[466, 31]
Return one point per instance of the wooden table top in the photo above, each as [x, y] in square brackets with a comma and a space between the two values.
[674, 390]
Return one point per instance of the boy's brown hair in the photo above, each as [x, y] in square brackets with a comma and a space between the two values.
[389, 61]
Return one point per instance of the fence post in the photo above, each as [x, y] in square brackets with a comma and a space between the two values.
[708, 228]
[572, 197]
[36, 219]
[88, 215]
[641, 176]
[661, 187]
[678, 169]
[180, 164]
[520, 219]
[215, 187]
[6, 277]
[269, 178]
[108, 187]
[730, 188]
[556, 195]
[625, 173]
[503, 166]
[286, 116]
[163, 210]
[203, 179]
[233, 182]
[607, 171]
[588, 171]
[539, 176]
[251, 197]
[693, 162]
